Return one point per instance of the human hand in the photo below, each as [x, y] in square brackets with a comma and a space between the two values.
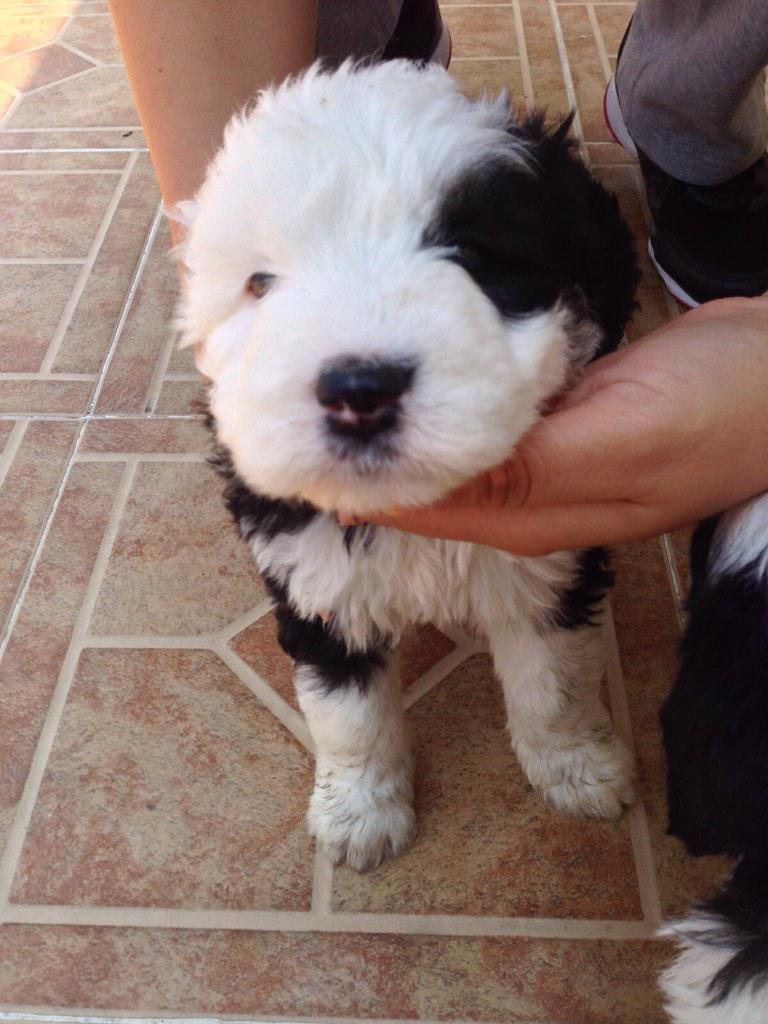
[656, 436]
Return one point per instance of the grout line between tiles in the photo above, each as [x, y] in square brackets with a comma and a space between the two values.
[141, 456]
[436, 674]
[511, 58]
[271, 700]
[12, 446]
[26, 804]
[82, 278]
[69, 129]
[57, 172]
[322, 884]
[599, 42]
[87, 1015]
[522, 49]
[639, 832]
[76, 149]
[83, 422]
[12, 107]
[76, 50]
[246, 619]
[306, 921]
[565, 69]
[10, 375]
[103, 417]
[69, 78]
[159, 373]
[112, 641]
[38, 261]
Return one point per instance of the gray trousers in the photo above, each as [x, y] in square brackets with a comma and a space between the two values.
[691, 85]
[690, 82]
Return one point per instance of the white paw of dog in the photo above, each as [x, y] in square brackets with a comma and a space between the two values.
[359, 825]
[595, 779]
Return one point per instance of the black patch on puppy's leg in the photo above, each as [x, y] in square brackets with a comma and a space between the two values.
[579, 603]
[313, 642]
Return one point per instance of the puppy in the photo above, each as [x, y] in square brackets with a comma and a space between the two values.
[390, 281]
[715, 726]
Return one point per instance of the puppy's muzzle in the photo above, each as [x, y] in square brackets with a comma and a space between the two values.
[362, 398]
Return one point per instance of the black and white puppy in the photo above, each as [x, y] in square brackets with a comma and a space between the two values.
[390, 280]
[716, 736]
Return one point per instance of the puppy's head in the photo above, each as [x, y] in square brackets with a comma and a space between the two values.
[374, 268]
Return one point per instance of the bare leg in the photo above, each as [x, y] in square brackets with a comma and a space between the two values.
[191, 66]
[560, 730]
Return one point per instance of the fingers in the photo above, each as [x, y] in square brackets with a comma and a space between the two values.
[529, 532]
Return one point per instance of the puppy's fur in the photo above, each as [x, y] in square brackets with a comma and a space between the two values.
[397, 228]
[716, 736]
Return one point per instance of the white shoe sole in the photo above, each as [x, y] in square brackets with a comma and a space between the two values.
[672, 286]
[614, 120]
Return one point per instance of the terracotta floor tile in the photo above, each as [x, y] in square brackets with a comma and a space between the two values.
[467, 783]
[22, 31]
[66, 138]
[681, 542]
[32, 299]
[90, 331]
[421, 649]
[169, 785]
[305, 975]
[52, 216]
[586, 71]
[648, 636]
[543, 58]
[178, 566]
[484, 32]
[29, 670]
[182, 436]
[102, 97]
[146, 333]
[41, 67]
[182, 361]
[180, 397]
[257, 645]
[489, 77]
[94, 35]
[26, 498]
[43, 396]
[72, 161]
[613, 20]
[607, 153]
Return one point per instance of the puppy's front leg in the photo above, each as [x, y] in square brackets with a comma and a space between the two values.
[360, 811]
[560, 730]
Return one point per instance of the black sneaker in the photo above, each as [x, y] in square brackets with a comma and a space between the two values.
[420, 34]
[706, 241]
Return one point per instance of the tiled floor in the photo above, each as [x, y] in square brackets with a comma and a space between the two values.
[154, 768]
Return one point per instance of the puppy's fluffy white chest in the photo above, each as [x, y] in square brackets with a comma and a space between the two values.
[377, 581]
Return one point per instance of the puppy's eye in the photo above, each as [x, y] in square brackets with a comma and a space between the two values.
[258, 285]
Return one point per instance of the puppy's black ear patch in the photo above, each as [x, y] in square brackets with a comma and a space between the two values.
[530, 234]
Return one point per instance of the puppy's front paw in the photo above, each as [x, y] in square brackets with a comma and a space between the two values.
[595, 779]
[360, 824]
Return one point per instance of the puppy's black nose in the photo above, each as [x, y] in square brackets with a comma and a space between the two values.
[362, 388]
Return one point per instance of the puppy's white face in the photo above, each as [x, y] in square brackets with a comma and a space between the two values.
[356, 362]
